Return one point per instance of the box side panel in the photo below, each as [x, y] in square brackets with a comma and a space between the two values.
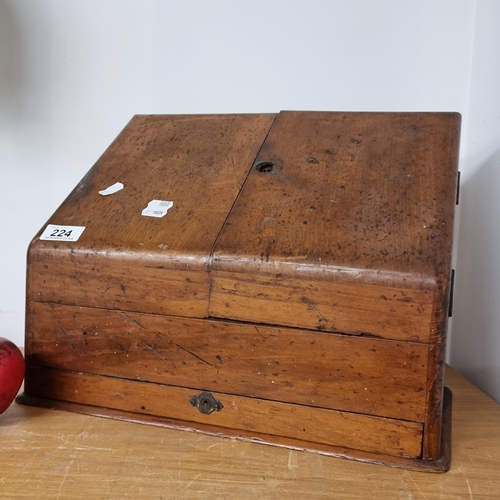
[362, 375]
[250, 416]
[432, 441]
[197, 162]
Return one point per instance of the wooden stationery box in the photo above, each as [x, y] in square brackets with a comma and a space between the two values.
[295, 293]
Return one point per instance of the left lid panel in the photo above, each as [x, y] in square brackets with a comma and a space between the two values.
[156, 264]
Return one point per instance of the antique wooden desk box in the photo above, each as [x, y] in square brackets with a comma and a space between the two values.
[295, 293]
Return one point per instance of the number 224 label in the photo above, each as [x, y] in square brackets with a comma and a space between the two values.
[62, 233]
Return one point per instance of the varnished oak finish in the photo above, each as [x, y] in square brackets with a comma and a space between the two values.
[126, 261]
[302, 277]
[393, 313]
[49, 454]
[353, 200]
[242, 416]
[278, 364]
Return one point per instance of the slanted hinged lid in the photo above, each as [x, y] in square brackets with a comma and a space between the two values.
[344, 224]
[129, 261]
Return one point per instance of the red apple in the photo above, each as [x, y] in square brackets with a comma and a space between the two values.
[11, 372]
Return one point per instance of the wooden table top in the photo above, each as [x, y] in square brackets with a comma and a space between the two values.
[51, 454]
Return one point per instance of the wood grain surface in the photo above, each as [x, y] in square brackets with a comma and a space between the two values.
[350, 191]
[320, 224]
[279, 364]
[124, 260]
[351, 198]
[240, 416]
[49, 454]
[392, 313]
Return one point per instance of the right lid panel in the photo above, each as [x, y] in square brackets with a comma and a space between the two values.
[344, 224]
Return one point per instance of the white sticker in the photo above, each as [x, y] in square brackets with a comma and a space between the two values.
[157, 208]
[117, 186]
[62, 233]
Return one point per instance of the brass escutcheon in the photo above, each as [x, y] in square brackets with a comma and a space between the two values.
[206, 403]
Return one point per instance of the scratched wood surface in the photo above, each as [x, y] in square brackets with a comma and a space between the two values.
[250, 418]
[345, 224]
[356, 199]
[331, 222]
[126, 261]
[48, 454]
[338, 372]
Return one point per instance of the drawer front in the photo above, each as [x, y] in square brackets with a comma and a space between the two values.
[316, 369]
[249, 417]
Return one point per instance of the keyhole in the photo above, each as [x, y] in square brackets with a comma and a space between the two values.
[206, 403]
[265, 166]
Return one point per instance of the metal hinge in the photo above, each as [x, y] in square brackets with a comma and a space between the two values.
[458, 189]
[452, 293]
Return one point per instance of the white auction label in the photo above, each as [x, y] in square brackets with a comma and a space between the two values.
[62, 233]
[117, 186]
[157, 208]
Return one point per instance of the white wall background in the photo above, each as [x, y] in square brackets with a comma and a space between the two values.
[475, 341]
[72, 73]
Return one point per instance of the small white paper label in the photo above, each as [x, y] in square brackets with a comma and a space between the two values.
[62, 233]
[157, 208]
[117, 186]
